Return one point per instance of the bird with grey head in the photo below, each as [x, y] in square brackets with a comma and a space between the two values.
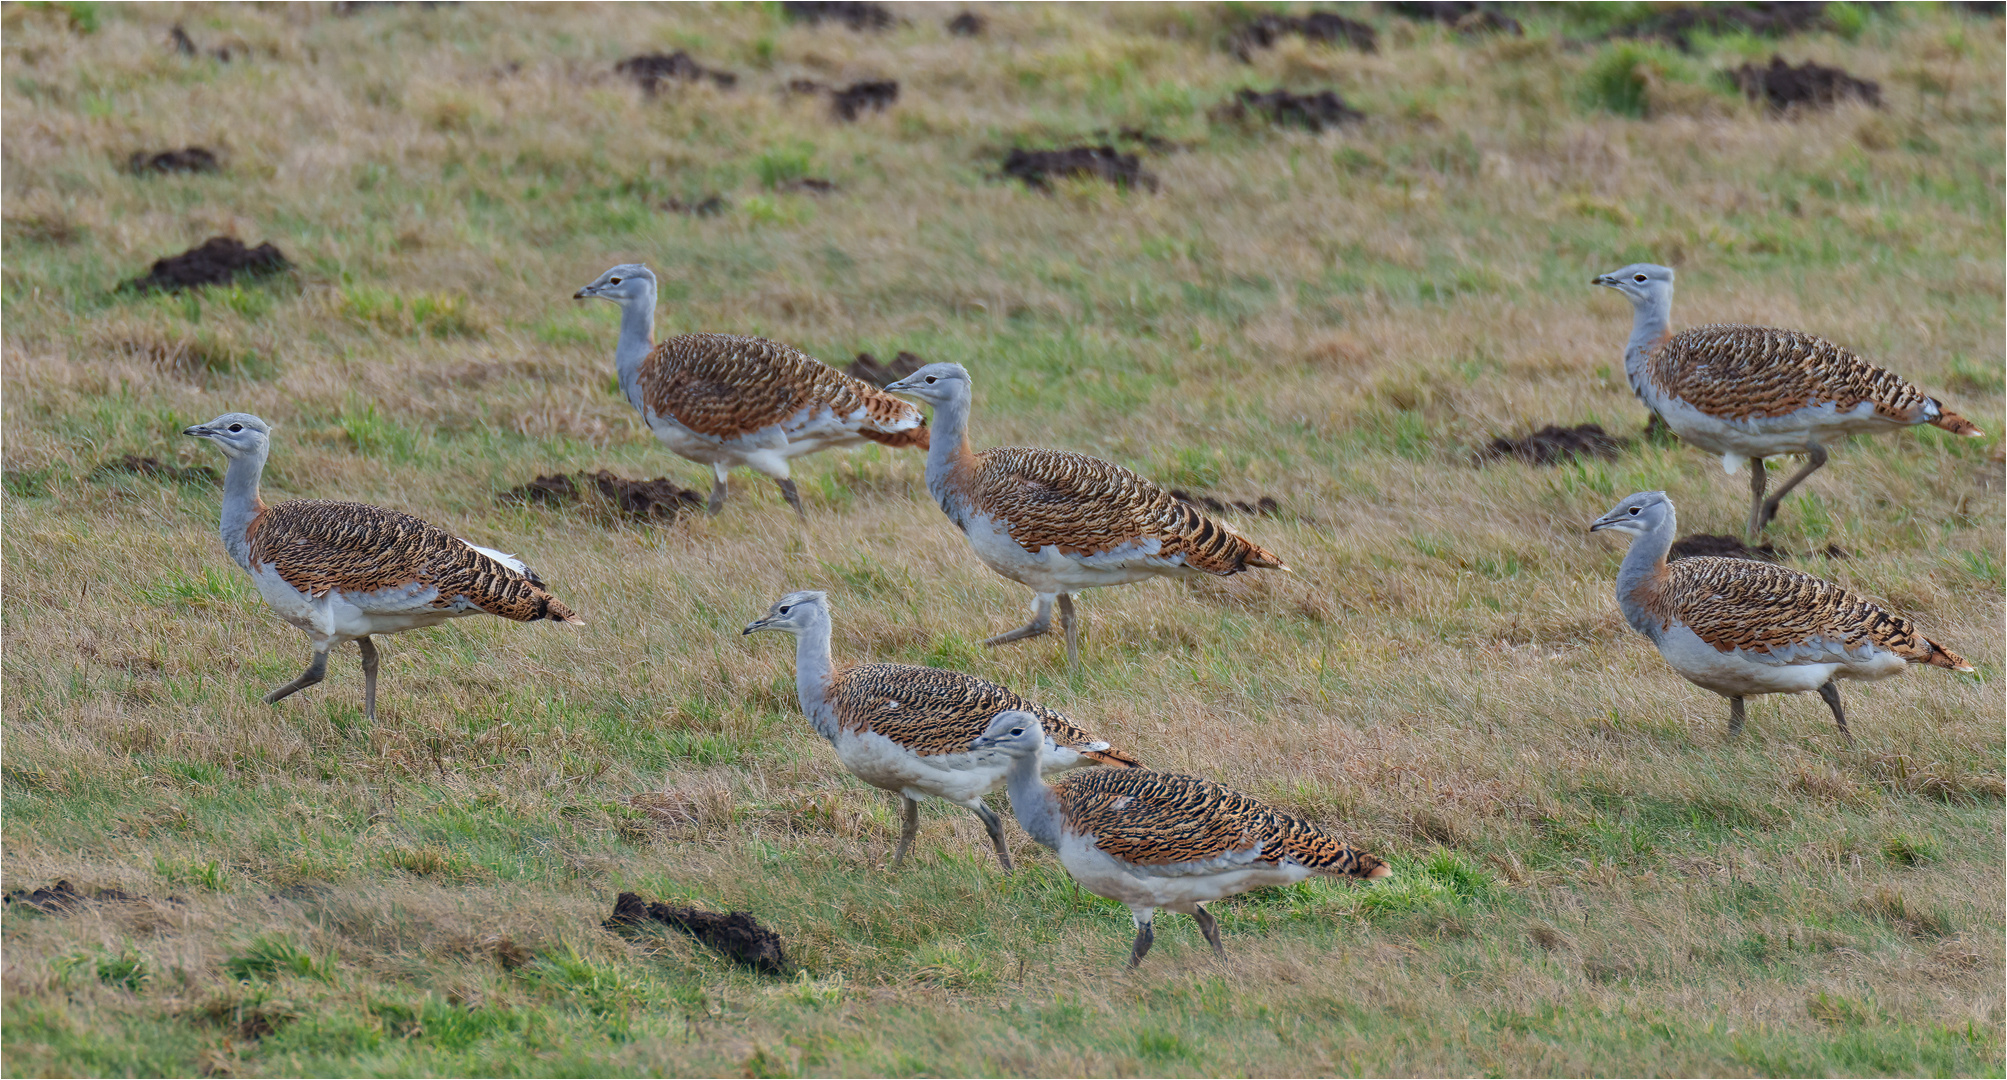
[1637, 515]
[238, 435]
[1641, 282]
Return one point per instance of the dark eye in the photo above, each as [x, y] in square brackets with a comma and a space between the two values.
[236, 427]
[1017, 731]
[932, 379]
[1641, 277]
[785, 610]
[616, 281]
[1634, 511]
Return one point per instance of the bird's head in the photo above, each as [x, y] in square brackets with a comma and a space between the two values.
[793, 613]
[238, 434]
[934, 384]
[1637, 515]
[1013, 731]
[624, 284]
[1639, 281]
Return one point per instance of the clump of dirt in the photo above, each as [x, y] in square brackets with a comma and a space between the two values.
[858, 97]
[867, 368]
[1679, 24]
[136, 465]
[1812, 85]
[708, 206]
[968, 24]
[62, 898]
[1037, 167]
[1314, 111]
[1721, 547]
[652, 500]
[1470, 18]
[218, 261]
[186, 46]
[1264, 32]
[651, 70]
[1553, 445]
[187, 159]
[1266, 506]
[736, 934]
[807, 185]
[857, 16]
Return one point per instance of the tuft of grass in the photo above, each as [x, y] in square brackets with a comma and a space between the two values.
[212, 587]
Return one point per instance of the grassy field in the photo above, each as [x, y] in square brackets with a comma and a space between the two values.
[1590, 877]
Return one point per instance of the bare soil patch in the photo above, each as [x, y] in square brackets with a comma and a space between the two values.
[1810, 85]
[62, 898]
[736, 935]
[651, 70]
[1265, 506]
[968, 24]
[856, 98]
[650, 500]
[808, 185]
[1321, 26]
[218, 261]
[135, 465]
[1037, 167]
[185, 45]
[1732, 547]
[1554, 445]
[188, 159]
[881, 374]
[1462, 15]
[708, 206]
[1678, 24]
[857, 16]
[1314, 111]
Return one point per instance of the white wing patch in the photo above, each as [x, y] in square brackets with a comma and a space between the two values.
[509, 561]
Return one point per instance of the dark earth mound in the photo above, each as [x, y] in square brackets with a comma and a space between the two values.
[1722, 547]
[218, 261]
[1266, 506]
[1264, 32]
[968, 24]
[737, 935]
[185, 45]
[867, 368]
[145, 466]
[1553, 445]
[651, 70]
[708, 206]
[655, 500]
[1314, 111]
[1037, 167]
[62, 898]
[1471, 18]
[857, 16]
[858, 97]
[1679, 24]
[810, 185]
[1812, 85]
[188, 159]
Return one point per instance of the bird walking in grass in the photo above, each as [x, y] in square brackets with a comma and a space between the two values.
[907, 729]
[343, 571]
[1751, 392]
[1059, 523]
[1151, 840]
[1742, 628]
[722, 400]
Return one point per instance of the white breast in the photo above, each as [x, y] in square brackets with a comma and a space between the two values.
[1104, 875]
[1052, 571]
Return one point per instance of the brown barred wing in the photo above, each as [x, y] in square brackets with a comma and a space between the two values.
[931, 711]
[316, 546]
[1085, 507]
[1170, 820]
[726, 386]
[1776, 611]
[1755, 372]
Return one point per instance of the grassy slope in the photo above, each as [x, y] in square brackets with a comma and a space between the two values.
[1591, 878]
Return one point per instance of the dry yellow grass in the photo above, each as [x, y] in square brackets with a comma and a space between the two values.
[1591, 878]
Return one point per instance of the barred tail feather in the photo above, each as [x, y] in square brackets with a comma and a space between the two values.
[1945, 658]
[1957, 425]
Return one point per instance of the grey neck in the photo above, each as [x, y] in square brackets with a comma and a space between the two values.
[1650, 318]
[1646, 557]
[811, 676]
[241, 503]
[637, 340]
[949, 443]
[1032, 800]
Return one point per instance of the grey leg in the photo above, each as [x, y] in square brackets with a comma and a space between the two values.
[908, 831]
[1144, 939]
[1041, 623]
[1211, 930]
[1072, 628]
[315, 672]
[368, 678]
[792, 496]
[994, 826]
[1757, 479]
[1831, 692]
[717, 502]
[1770, 505]
[1735, 717]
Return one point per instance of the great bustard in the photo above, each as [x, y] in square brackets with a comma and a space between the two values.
[721, 400]
[1751, 392]
[1741, 628]
[1058, 522]
[907, 729]
[343, 571]
[1154, 840]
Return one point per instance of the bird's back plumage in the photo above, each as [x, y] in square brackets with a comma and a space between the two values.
[931, 711]
[1751, 373]
[724, 386]
[1152, 819]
